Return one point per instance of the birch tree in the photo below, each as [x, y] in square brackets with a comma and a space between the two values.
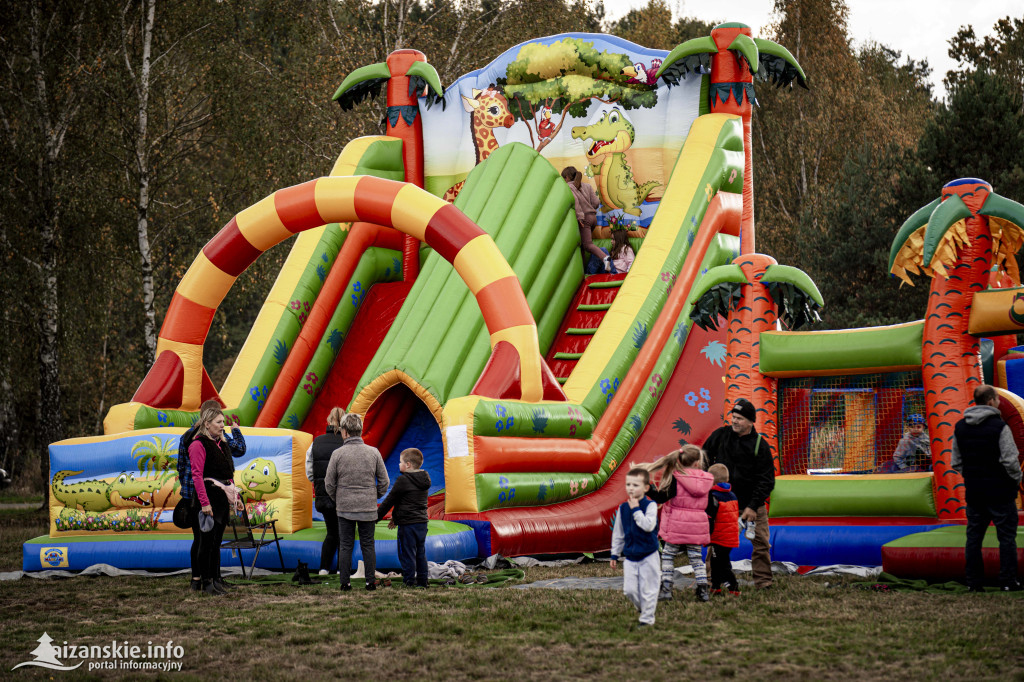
[147, 152]
[49, 53]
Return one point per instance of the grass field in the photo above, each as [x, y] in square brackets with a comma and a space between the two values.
[804, 628]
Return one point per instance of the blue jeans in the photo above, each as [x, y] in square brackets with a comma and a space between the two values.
[595, 266]
[412, 553]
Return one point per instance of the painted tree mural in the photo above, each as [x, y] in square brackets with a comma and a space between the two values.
[564, 77]
[957, 240]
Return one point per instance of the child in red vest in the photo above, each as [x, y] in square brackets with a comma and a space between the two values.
[723, 515]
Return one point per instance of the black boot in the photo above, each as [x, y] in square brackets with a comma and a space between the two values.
[703, 593]
[210, 587]
[195, 585]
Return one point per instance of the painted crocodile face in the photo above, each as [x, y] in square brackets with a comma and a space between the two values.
[127, 491]
[259, 478]
[609, 134]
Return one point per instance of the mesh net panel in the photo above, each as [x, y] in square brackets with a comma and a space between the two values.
[845, 424]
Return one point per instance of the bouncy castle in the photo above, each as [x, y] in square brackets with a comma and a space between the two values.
[435, 286]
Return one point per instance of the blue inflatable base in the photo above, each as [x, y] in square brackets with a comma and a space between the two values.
[171, 552]
[831, 544]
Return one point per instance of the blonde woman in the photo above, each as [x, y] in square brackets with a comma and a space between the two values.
[212, 473]
[317, 458]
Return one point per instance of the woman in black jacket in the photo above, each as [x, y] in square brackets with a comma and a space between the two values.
[317, 458]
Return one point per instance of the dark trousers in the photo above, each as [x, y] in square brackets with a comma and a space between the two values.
[330, 547]
[193, 516]
[208, 556]
[347, 540]
[1003, 514]
[412, 553]
[721, 567]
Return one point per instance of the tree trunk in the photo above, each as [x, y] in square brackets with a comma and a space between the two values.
[142, 88]
[951, 367]
[755, 313]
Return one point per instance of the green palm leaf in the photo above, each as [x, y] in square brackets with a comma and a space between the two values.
[945, 215]
[906, 254]
[717, 293]
[424, 76]
[796, 296]
[746, 46]
[997, 206]
[690, 56]
[364, 82]
[778, 65]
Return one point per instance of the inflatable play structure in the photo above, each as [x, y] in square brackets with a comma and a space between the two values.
[435, 286]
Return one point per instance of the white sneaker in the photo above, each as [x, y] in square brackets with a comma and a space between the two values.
[323, 571]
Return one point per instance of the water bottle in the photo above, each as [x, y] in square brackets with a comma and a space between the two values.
[749, 532]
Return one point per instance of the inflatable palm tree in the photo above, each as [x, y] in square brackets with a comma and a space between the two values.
[754, 293]
[957, 240]
[734, 58]
[408, 75]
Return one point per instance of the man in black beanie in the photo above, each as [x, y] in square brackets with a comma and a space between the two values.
[752, 476]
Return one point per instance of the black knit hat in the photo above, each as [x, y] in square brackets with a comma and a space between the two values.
[745, 408]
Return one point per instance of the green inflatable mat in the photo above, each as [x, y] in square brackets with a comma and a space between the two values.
[867, 495]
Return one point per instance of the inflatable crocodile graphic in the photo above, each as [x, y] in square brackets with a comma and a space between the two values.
[612, 134]
[95, 495]
[258, 479]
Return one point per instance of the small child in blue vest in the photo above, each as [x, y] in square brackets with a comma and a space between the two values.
[635, 539]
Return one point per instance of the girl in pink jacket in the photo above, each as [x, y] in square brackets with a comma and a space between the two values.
[684, 489]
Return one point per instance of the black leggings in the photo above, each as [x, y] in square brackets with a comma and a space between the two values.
[330, 547]
[193, 516]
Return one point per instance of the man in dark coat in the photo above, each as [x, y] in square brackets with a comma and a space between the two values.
[985, 454]
[752, 475]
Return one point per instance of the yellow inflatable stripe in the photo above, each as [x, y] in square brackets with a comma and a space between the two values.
[645, 274]
[191, 356]
[353, 152]
[524, 338]
[236, 386]
[460, 455]
[376, 388]
[336, 198]
[414, 209]
[121, 418]
[205, 283]
[479, 263]
[261, 226]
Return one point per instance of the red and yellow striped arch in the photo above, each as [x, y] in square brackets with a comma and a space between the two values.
[178, 380]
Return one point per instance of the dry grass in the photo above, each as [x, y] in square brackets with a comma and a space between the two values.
[801, 629]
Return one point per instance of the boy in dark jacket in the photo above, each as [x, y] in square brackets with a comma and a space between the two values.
[724, 517]
[409, 499]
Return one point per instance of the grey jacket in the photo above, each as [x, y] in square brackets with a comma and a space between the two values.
[355, 478]
[975, 415]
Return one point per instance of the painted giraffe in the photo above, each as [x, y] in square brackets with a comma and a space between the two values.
[488, 109]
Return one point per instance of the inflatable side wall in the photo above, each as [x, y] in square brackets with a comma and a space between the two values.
[128, 483]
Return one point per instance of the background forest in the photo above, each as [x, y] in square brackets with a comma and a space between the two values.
[133, 131]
